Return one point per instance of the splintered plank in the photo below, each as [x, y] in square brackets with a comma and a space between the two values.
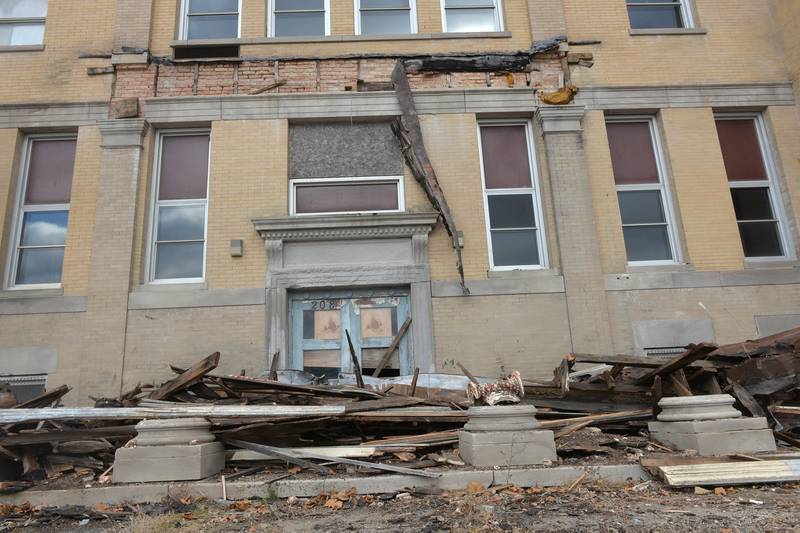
[726, 474]
[692, 354]
[392, 347]
[187, 378]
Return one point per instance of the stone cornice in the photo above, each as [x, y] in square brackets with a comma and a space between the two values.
[122, 133]
[338, 227]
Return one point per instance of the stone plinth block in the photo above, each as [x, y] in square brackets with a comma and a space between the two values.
[687, 408]
[502, 418]
[170, 450]
[719, 443]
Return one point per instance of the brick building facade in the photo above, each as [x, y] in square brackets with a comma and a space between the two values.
[256, 201]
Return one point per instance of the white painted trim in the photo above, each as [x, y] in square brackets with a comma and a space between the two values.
[183, 24]
[771, 184]
[401, 197]
[271, 18]
[663, 187]
[20, 209]
[150, 255]
[498, 15]
[412, 13]
[534, 190]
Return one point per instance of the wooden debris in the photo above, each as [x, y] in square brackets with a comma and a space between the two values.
[392, 347]
[186, 378]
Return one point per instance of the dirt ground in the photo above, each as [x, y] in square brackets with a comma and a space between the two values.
[647, 506]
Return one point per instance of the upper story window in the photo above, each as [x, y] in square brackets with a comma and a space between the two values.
[512, 204]
[40, 228]
[385, 17]
[178, 235]
[22, 22]
[210, 19]
[471, 15]
[756, 200]
[659, 14]
[299, 18]
[644, 199]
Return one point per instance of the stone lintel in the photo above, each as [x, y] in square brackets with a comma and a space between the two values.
[561, 119]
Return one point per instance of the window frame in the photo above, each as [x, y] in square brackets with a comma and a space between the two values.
[11, 21]
[499, 24]
[155, 205]
[412, 13]
[686, 13]
[771, 184]
[294, 182]
[534, 190]
[12, 257]
[271, 21]
[183, 29]
[663, 186]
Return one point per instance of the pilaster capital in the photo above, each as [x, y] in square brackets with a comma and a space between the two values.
[561, 118]
[123, 133]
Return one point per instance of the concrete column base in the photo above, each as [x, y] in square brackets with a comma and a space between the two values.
[716, 437]
[507, 448]
[168, 463]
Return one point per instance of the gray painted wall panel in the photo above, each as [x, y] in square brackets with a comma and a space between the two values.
[371, 252]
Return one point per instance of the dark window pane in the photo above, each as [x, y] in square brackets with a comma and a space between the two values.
[655, 17]
[632, 154]
[50, 172]
[385, 22]
[184, 167]
[752, 203]
[467, 20]
[39, 265]
[20, 9]
[299, 5]
[308, 324]
[213, 27]
[299, 24]
[214, 6]
[505, 157]
[385, 4]
[44, 228]
[27, 391]
[647, 243]
[181, 223]
[760, 239]
[511, 211]
[515, 248]
[179, 260]
[640, 207]
[341, 197]
[740, 150]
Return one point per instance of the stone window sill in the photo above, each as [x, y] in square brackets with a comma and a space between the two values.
[341, 38]
[668, 31]
[22, 48]
[171, 287]
[522, 273]
[674, 267]
[30, 293]
[749, 264]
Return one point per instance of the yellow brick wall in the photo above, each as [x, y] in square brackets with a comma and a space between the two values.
[8, 187]
[80, 231]
[56, 74]
[784, 131]
[165, 16]
[741, 45]
[249, 179]
[787, 16]
[702, 195]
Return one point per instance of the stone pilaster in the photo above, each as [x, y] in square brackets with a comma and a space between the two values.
[590, 330]
[112, 254]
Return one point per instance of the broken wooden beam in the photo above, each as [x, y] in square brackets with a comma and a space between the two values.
[392, 347]
[692, 354]
[186, 379]
[354, 360]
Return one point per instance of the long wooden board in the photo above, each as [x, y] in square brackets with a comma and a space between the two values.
[726, 474]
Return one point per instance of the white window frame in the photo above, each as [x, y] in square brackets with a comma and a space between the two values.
[271, 19]
[27, 20]
[534, 190]
[155, 204]
[771, 184]
[498, 15]
[293, 183]
[20, 209]
[412, 4]
[662, 186]
[183, 32]
[686, 11]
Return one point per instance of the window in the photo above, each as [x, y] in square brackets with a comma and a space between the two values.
[471, 15]
[644, 201]
[210, 19]
[659, 14]
[178, 237]
[22, 22]
[511, 201]
[385, 17]
[299, 18]
[41, 224]
[751, 178]
[347, 195]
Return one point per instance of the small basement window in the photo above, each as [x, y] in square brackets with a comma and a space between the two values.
[26, 387]
[325, 196]
[659, 14]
